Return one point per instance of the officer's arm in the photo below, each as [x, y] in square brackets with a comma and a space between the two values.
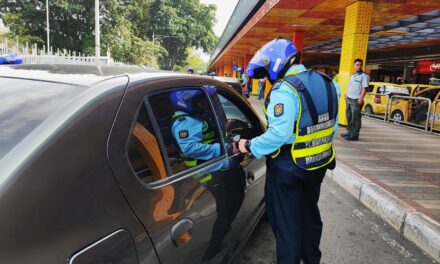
[281, 112]
[338, 92]
[188, 135]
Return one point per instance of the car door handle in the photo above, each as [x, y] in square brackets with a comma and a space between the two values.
[181, 232]
[250, 176]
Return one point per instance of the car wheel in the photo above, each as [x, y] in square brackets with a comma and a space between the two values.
[397, 116]
[368, 110]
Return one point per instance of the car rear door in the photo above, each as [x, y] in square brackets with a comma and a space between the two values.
[192, 213]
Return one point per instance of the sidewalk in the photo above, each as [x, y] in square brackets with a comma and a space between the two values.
[394, 171]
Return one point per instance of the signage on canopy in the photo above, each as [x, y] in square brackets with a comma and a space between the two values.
[428, 66]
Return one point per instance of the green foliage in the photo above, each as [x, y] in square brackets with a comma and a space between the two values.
[183, 24]
[127, 27]
[194, 61]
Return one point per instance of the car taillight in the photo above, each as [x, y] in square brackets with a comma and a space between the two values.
[377, 99]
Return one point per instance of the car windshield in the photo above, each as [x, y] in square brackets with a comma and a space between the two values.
[24, 104]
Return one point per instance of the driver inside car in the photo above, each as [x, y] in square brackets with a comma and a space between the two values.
[198, 143]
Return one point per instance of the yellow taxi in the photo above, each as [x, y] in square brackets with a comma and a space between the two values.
[415, 88]
[415, 111]
[376, 98]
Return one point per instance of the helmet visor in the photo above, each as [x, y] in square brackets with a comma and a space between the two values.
[260, 60]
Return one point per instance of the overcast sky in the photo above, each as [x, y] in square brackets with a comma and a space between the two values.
[224, 12]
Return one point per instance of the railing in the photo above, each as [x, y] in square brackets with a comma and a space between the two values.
[60, 59]
[392, 114]
[384, 116]
[434, 115]
[37, 54]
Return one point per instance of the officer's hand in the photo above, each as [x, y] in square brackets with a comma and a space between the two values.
[241, 146]
[361, 101]
[235, 148]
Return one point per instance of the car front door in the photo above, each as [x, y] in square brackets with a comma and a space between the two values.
[243, 121]
[184, 191]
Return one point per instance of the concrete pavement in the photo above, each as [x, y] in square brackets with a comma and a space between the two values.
[394, 171]
[352, 234]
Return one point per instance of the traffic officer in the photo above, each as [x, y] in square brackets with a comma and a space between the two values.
[301, 112]
[194, 136]
[197, 142]
[190, 71]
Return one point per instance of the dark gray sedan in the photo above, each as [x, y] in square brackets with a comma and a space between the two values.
[91, 171]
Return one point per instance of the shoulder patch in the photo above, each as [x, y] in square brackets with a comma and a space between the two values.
[183, 134]
[278, 110]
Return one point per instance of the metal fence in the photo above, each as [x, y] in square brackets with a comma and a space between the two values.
[435, 118]
[35, 54]
[405, 114]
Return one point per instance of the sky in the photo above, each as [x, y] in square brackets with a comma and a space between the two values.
[224, 12]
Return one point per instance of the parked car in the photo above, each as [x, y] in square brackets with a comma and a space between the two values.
[233, 82]
[376, 98]
[90, 171]
[415, 88]
[416, 110]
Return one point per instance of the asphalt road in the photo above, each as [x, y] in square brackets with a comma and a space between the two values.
[352, 234]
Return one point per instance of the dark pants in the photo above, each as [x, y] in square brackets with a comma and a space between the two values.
[292, 196]
[353, 112]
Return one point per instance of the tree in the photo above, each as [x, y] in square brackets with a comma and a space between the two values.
[194, 61]
[183, 24]
[72, 25]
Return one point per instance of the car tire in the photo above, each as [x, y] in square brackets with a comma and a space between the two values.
[397, 116]
[369, 110]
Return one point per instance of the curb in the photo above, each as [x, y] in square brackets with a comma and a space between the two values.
[413, 225]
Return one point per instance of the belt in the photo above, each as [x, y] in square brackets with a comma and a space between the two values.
[286, 150]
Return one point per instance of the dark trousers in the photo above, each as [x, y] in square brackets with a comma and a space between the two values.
[292, 196]
[353, 112]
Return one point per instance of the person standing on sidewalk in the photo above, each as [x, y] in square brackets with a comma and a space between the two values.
[261, 88]
[356, 90]
[301, 111]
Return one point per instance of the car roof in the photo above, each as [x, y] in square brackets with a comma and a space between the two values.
[76, 74]
[420, 85]
[385, 83]
[226, 79]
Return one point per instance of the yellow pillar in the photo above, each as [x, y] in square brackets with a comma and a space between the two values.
[354, 45]
[255, 86]
[227, 68]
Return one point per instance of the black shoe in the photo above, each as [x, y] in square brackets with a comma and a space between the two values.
[344, 135]
[351, 138]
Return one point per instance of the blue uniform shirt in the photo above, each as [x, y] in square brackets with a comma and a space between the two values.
[357, 82]
[282, 112]
[188, 132]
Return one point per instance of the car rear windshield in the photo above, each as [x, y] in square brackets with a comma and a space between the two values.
[24, 104]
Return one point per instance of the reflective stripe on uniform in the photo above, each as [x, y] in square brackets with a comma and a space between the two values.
[313, 144]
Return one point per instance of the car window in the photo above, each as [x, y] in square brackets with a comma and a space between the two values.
[188, 128]
[237, 121]
[370, 88]
[144, 151]
[431, 94]
[25, 104]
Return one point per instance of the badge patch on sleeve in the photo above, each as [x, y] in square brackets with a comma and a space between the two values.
[279, 110]
[183, 134]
